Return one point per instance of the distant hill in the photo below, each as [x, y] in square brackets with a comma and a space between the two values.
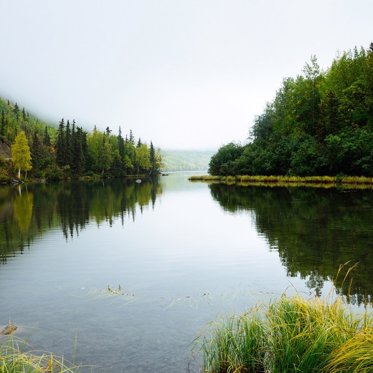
[14, 118]
[186, 160]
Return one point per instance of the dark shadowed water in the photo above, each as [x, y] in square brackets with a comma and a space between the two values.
[122, 277]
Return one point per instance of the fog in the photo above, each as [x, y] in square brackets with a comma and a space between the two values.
[184, 74]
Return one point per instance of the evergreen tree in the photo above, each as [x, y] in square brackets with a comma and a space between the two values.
[68, 145]
[78, 152]
[46, 138]
[60, 143]
[131, 138]
[16, 111]
[120, 144]
[152, 158]
[21, 155]
[36, 152]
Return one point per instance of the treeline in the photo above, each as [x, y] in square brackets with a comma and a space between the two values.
[70, 151]
[320, 123]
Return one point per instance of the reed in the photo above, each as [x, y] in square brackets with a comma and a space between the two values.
[13, 360]
[273, 180]
[292, 335]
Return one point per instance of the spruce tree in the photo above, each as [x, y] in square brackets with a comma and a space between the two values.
[120, 144]
[132, 138]
[46, 138]
[60, 143]
[68, 145]
[36, 152]
[16, 111]
[153, 161]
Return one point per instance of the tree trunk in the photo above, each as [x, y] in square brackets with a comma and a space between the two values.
[19, 173]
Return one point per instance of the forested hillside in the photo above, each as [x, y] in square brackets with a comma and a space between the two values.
[186, 160]
[319, 123]
[66, 151]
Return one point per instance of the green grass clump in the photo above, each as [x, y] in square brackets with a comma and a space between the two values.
[237, 345]
[292, 335]
[348, 182]
[13, 360]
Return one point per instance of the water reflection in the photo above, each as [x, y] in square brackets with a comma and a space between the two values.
[314, 231]
[26, 212]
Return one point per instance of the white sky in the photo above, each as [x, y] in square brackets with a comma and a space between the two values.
[185, 74]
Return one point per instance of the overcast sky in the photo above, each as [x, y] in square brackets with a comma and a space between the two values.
[184, 74]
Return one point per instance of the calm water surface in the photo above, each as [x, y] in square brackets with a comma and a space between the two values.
[122, 277]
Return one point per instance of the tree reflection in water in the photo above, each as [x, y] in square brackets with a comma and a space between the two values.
[28, 212]
[313, 230]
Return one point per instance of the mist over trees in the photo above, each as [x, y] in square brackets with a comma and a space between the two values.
[319, 123]
[69, 151]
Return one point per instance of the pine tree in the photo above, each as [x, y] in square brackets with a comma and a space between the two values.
[120, 144]
[68, 145]
[46, 138]
[60, 143]
[74, 147]
[21, 155]
[153, 163]
[79, 151]
[36, 152]
[132, 138]
[16, 111]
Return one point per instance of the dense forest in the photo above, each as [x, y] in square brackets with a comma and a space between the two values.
[41, 150]
[319, 123]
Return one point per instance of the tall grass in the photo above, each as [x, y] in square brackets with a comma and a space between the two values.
[312, 181]
[13, 360]
[292, 335]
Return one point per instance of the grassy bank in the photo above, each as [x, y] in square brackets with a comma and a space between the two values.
[13, 360]
[292, 335]
[296, 181]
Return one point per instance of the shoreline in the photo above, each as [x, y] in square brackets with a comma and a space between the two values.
[347, 182]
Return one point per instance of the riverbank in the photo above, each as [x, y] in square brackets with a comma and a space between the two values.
[292, 335]
[94, 177]
[353, 182]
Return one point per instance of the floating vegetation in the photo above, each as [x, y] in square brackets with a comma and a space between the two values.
[119, 291]
[347, 182]
[292, 335]
[189, 300]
